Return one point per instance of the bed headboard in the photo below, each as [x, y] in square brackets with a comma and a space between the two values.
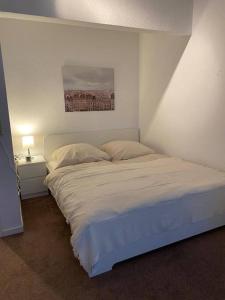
[54, 141]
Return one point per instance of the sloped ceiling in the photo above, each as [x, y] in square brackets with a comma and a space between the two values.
[162, 15]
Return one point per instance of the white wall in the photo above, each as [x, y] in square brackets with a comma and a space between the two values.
[169, 15]
[185, 114]
[10, 215]
[34, 54]
[159, 56]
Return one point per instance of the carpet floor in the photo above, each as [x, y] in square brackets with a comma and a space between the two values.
[39, 264]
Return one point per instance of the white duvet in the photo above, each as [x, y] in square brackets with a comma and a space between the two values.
[93, 194]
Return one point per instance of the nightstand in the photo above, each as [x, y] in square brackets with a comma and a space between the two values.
[31, 177]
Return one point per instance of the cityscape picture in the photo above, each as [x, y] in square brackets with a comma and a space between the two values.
[88, 88]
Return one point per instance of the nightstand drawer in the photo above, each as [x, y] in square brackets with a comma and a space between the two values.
[32, 186]
[32, 170]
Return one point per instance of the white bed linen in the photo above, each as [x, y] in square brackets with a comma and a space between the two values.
[142, 158]
[51, 165]
[109, 206]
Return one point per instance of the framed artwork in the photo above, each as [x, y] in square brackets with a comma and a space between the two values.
[88, 88]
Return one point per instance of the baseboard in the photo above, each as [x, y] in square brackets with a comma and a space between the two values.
[11, 231]
[34, 195]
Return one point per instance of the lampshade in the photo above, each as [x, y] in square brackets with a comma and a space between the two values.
[28, 140]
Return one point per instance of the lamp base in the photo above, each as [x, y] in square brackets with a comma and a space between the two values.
[28, 158]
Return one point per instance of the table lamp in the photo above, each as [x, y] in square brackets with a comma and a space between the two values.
[28, 141]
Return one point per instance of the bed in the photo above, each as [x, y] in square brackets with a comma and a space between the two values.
[123, 209]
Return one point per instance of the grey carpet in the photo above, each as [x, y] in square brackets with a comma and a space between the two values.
[39, 264]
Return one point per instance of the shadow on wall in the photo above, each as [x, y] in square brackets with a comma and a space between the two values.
[199, 8]
[34, 7]
[160, 54]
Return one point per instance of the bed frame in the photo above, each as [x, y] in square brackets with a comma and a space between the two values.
[156, 241]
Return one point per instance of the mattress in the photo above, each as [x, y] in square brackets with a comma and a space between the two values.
[111, 205]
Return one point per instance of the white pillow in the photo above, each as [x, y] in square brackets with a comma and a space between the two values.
[77, 154]
[119, 150]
